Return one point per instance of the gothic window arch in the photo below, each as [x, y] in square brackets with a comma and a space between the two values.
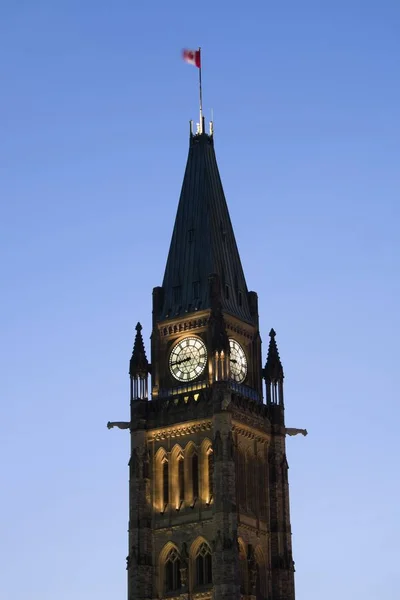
[203, 566]
[181, 479]
[192, 475]
[172, 573]
[165, 483]
[200, 556]
[161, 470]
[206, 471]
[210, 470]
[177, 477]
[195, 475]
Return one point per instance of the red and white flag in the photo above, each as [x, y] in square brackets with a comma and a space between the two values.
[192, 57]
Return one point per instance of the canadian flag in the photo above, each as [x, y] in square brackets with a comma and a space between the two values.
[192, 57]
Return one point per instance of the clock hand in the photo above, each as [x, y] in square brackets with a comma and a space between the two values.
[178, 362]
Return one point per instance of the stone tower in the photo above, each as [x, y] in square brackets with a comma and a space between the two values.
[209, 495]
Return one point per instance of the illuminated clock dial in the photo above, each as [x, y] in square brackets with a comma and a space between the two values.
[188, 359]
[238, 361]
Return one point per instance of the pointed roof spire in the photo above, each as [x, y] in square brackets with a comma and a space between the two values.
[203, 242]
[138, 364]
[273, 367]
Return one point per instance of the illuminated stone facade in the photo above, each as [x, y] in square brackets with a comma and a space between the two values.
[209, 498]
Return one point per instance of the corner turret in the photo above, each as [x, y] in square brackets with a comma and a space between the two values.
[139, 367]
[273, 373]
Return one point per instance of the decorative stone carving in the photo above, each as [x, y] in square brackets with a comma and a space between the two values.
[192, 324]
[183, 572]
[184, 564]
[174, 431]
[119, 424]
[258, 436]
[252, 567]
[184, 553]
[240, 330]
[225, 402]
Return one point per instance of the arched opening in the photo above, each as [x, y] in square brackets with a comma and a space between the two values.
[181, 479]
[177, 477]
[191, 475]
[161, 475]
[206, 470]
[165, 483]
[210, 465]
[200, 564]
[169, 580]
[203, 565]
[195, 476]
[172, 573]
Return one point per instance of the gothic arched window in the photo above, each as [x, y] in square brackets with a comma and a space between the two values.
[165, 476]
[195, 476]
[181, 479]
[172, 572]
[210, 475]
[203, 565]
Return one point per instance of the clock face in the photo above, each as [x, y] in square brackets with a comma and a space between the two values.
[238, 361]
[188, 359]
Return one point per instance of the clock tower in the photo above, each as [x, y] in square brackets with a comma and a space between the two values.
[209, 496]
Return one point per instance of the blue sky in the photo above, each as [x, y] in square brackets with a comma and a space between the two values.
[94, 110]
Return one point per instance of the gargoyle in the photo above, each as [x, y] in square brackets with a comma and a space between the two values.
[119, 424]
[294, 431]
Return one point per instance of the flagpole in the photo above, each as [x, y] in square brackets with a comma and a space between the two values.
[201, 96]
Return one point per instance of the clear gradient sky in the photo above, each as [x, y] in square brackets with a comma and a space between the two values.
[94, 110]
